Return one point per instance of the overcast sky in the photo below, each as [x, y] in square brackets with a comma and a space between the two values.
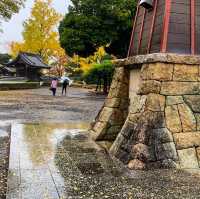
[12, 30]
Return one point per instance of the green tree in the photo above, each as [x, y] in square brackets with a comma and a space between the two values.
[4, 58]
[100, 73]
[9, 7]
[93, 23]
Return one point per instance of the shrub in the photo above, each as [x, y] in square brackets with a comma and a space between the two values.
[100, 73]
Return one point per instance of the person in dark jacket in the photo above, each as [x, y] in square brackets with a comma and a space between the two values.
[65, 84]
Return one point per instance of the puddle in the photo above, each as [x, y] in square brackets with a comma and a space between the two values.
[39, 141]
[61, 161]
[35, 154]
[57, 161]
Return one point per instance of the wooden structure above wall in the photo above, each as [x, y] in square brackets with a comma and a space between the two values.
[172, 26]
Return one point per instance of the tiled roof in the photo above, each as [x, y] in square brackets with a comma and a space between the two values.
[10, 70]
[30, 59]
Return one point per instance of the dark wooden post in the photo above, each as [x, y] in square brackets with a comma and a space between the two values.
[26, 70]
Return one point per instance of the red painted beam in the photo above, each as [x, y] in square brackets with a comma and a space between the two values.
[193, 27]
[141, 30]
[133, 31]
[152, 26]
[166, 26]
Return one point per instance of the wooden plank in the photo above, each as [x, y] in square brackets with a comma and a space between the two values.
[152, 25]
[141, 30]
[193, 51]
[166, 26]
[133, 30]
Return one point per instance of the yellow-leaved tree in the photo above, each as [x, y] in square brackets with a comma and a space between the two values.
[40, 35]
[86, 63]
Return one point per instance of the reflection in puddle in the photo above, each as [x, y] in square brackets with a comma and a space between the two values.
[40, 140]
[55, 161]
[33, 158]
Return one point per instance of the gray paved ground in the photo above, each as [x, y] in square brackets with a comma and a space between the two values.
[52, 160]
[39, 106]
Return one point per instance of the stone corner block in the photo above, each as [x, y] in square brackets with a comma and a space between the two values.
[174, 100]
[184, 72]
[157, 71]
[162, 135]
[187, 140]
[155, 102]
[173, 121]
[187, 117]
[166, 151]
[180, 88]
[137, 104]
[149, 86]
[188, 159]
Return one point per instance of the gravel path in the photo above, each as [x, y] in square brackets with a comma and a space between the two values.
[4, 150]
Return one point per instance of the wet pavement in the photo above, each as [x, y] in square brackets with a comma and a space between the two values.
[51, 161]
[58, 161]
[39, 106]
[52, 155]
[33, 168]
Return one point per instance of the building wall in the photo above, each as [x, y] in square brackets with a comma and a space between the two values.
[20, 70]
[197, 26]
[178, 33]
[142, 31]
[179, 36]
[138, 25]
[158, 28]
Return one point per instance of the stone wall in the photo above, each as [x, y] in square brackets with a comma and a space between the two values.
[160, 128]
[163, 125]
[114, 112]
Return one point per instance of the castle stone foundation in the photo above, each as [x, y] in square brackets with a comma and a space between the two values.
[152, 114]
[114, 112]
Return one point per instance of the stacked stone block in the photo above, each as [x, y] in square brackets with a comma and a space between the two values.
[162, 127]
[114, 112]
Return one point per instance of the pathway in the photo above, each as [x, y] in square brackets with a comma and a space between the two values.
[58, 161]
[51, 155]
[39, 106]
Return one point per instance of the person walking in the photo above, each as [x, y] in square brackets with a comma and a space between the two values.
[65, 84]
[54, 85]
